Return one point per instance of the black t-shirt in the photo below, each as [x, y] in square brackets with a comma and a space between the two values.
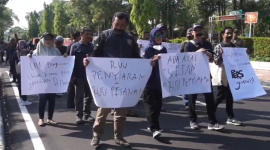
[62, 49]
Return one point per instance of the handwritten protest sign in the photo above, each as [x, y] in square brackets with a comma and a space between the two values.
[171, 47]
[117, 82]
[184, 73]
[46, 74]
[241, 77]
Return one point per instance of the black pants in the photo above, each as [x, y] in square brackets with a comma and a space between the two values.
[71, 95]
[153, 105]
[23, 97]
[210, 107]
[83, 98]
[43, 99]
[225, 93]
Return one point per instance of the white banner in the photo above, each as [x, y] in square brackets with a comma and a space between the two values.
[241, 77]
[45, 74]
[117, 82]
[171, 47]
[184, 73]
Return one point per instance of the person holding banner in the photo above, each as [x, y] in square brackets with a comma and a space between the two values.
[114, 43]
[223, 88]
[46, 48]
[200, 45]
[152, 93]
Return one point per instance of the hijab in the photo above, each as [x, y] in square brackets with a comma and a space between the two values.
[42, 50]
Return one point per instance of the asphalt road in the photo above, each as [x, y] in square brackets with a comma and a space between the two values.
[253, 135]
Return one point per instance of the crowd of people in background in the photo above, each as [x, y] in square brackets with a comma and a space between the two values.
[109, 44]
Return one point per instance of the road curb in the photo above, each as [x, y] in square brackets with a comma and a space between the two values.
[2, 131]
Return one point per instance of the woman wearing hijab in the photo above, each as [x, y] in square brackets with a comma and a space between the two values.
[15, 67]
[46, 48]
[152, 94]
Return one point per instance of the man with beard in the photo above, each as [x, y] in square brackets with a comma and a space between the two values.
[114, 43]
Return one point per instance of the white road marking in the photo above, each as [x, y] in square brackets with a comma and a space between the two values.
[35, 138]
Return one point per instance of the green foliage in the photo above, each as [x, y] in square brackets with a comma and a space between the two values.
[142, 11]
[33, 24]
[178, 40]
[47, 19]
[61, 19]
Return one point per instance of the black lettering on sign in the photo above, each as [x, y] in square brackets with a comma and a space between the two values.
[55, 81]
[35, 65]
[31, 76]
[189, 58]
[100, 91]
[97, 74]
[118, 65]
[118, 91]
[174, 85]
[173, 60]
[38, 81]
[65, 73]
[237, 74]
[55, 64]
[249, 81]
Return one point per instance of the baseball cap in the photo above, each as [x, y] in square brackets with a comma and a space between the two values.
[59, 39]
[197, 26]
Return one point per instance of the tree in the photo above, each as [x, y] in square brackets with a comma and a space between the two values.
[33, 24]
[47, 19]
[142, 12]
[61, 19]
[6, 19]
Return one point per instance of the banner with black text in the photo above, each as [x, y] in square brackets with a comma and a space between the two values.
[45, 74]
[184, 73]
[242, 79]
[117, 82]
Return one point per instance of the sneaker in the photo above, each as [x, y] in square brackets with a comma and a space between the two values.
[88, 119]
[95, 141]
[156, 134]
[215, 126]
[78, 120]
[25, 103]
[234, 121]
[160, 130]
[122, 142]
[194, 125]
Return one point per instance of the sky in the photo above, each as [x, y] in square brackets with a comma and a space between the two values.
[21, 7]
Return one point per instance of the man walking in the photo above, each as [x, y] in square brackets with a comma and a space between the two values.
[200, 45]
[114, 43]
[83, 96]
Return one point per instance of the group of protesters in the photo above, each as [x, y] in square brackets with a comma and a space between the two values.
[114, 43]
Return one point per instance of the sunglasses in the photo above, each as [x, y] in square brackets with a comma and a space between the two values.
[158, 36]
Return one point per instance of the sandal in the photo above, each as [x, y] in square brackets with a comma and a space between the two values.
[51, 121]
[41, 122]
